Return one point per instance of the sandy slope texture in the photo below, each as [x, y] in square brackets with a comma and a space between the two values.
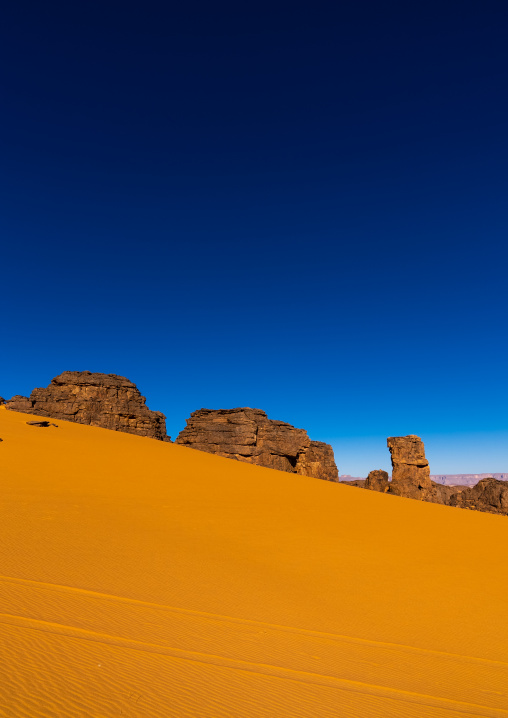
[140, 578]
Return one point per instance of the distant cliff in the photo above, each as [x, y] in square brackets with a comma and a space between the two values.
[465, 479]
[444, 479]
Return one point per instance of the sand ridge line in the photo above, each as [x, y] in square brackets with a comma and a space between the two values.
[246, 621]
[259, 668]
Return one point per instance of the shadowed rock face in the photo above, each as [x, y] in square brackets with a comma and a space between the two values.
[377, 481]
[249, 435]
[106, 400]
[410, 468]
[441, 494]
[318, 461]
[490, 495]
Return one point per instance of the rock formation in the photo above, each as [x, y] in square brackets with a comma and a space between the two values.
[106, 400]
[318, 461]
[410, 468]
[465, 479]
[249, 435]
[490, 495]
[360, 483]
[441, 494]
[377, 480]
[20, 403]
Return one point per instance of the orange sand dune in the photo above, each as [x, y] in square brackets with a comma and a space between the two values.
[140, 578]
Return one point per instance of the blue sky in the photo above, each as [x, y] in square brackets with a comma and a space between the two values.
[299, 208]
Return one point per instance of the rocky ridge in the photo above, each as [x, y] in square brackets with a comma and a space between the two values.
[490, 495]
[249, 435]
[465, 479]
[106, 400]
[113, 402]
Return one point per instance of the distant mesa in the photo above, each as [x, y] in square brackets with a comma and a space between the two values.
[249, 435]
[105, 400]
[465, 479]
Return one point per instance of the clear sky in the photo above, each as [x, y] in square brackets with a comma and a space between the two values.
[299, 207]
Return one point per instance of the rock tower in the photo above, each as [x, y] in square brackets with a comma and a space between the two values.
[410, 468]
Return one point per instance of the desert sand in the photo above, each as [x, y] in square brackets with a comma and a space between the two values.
[141, 578]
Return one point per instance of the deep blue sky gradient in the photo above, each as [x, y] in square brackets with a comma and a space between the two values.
[300, 207]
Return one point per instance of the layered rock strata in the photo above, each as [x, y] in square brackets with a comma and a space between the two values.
[106, 400]
[490, 495]
[249, 435]
[410, 468]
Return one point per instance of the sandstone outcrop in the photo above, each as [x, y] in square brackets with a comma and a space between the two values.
[249, 435]
[20, 403]
[318, 461]
[490, 495]
[377, 480]
[411, 473]
[106, 400]
[441, 494]
[410, 468]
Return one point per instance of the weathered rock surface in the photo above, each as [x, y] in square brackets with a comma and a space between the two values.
[411, 479]
[377, 480]
[249, 435]
[106, 400]
[410, 468]
[490, 495]
[441, 494]
[318, 461]
[20, 403]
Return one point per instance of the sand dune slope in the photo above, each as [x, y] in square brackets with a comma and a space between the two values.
[140, 578]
